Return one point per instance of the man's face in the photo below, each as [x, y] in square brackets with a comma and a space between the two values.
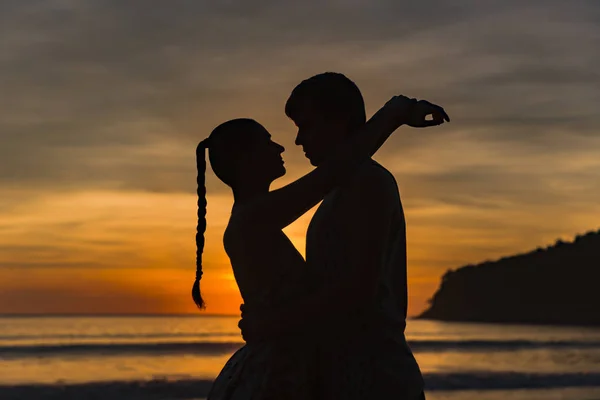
[318, 134]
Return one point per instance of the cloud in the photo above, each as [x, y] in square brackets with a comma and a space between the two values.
[106, 100]
[88, 84]
[111, 230]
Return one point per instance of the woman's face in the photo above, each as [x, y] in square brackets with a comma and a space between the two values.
[263, 157]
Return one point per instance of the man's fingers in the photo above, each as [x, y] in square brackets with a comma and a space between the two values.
[444, 114]
[431, 122]
[439, 112]
[431, 108]
[441, 116]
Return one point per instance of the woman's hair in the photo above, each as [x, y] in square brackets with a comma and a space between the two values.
[225, 146]
[331, 93]
[201, 227]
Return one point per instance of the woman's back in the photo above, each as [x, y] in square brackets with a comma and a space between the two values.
[267, 267]
[269, 271]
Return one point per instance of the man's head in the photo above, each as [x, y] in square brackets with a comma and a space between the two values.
[326, 109]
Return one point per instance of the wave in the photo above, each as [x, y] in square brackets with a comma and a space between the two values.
[186, 388]
[104, 336]
[499, 345]
[203, 348]
[217, 348]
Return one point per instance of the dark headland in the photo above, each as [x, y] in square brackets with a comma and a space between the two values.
[559, 284]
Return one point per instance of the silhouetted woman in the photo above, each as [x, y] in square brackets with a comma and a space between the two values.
[267, 267]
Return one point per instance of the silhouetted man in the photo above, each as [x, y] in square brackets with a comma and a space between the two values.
[356, 242]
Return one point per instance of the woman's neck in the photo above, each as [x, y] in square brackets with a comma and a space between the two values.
[245, 193]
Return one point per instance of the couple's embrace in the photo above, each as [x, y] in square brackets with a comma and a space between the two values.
[331, 326]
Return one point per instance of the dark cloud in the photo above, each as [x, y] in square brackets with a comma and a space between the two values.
[486, 187]
[87, 84]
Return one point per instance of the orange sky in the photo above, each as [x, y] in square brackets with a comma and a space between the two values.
[115, 252]
[102, 106]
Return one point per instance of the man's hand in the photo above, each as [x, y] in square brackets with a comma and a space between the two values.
[417, 116]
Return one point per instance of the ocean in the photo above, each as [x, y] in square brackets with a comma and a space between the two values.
[176, 357]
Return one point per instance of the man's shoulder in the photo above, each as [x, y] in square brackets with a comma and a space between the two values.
[372, 179]
[373, 173]
[373, 168]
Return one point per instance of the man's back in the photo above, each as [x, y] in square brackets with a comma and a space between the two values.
[360, 226]
[336, 229]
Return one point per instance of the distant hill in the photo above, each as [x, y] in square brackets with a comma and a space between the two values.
[559, 284]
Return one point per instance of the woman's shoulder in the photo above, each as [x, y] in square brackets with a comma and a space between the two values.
[240, 230]
[239, 220]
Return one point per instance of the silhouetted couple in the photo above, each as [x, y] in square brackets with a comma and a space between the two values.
[331, 326]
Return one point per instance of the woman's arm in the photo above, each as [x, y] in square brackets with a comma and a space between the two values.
[364, 235]
[281, 207]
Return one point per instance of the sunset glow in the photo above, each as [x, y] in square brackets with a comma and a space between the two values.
[98, 175]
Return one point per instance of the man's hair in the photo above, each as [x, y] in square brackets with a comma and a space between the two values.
[332, 94]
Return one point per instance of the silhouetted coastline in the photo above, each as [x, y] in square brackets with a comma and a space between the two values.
[557, 285]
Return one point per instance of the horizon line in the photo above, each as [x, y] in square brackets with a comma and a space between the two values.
[186, 315]
[2, 315]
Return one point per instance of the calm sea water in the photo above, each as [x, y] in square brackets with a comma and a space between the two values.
[177, 357]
